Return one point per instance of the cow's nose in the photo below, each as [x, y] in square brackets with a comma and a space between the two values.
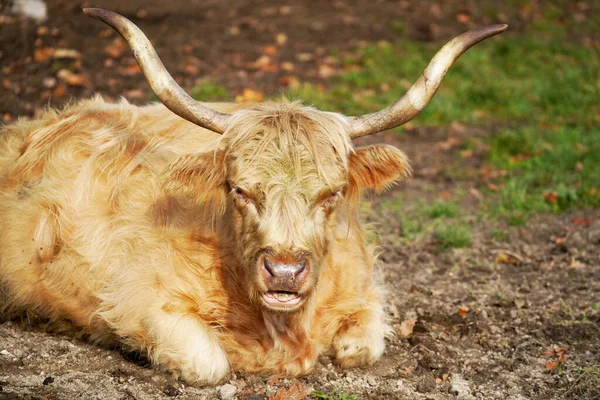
[284, 269]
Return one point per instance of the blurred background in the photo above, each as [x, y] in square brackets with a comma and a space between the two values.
[497, 235]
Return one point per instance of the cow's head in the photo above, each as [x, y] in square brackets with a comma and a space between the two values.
[282, 171]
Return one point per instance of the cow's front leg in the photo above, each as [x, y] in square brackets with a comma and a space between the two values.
[186, 347]
[360, 340]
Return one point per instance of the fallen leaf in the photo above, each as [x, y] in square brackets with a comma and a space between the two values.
[582, 221]
[42, 54]
[503, 258]
[288, 66]
[134, 94]
[70, 78]
[463, 311]
[475, 193]
[42, 30]
[116, 48]
[105, 33]
[60, 90]
[548, 353]
[291, 81]
[575, 264]
[466, 153]
[281, 39]
[449, 143]
[551, 197]
[66, 53]
[326, 71]
[130, 70]
[551, 364]
[304, 57]
[405, 330]
[269, 50]
[49, 82]
[250, 95]
[408, 367]
[296, 391]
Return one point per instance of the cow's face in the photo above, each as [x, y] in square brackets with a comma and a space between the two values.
[282, 174]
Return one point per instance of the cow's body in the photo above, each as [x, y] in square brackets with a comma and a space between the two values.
[92, 233]
[204, 251]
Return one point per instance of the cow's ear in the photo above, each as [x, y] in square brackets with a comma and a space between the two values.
[199, 174]
[377, 167]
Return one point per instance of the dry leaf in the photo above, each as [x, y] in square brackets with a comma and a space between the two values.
[281, 39]
[42, 54]
[130, 70]
[405, 330]
[116, 48]
[503, 258]
[463, 311]
[250, 95]
[325, 71]
[296, 391]
[551, 197]
[60, 91]
[66, 53]
[269, 50]
[288, 66]
[551, 364]
[582, 221]
[70, 78]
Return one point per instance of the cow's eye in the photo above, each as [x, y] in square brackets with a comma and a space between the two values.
[332, 198]
[239, 193]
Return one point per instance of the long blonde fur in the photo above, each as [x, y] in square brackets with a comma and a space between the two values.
[118, 218]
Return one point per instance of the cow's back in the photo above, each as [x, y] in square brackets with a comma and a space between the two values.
[76, 190]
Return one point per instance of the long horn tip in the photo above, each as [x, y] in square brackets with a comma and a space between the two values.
[92, 11]
[492, 30]
[98, 13]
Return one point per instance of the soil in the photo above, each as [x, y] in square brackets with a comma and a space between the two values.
[510, 319]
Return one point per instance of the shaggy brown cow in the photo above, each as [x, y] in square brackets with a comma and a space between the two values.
[229, 240]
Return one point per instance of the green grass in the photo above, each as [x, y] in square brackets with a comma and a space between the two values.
[548, 170]
[334, 396]
[210, 91]
[440, 219]
[528, 77]
[451, 236]
[443, 209]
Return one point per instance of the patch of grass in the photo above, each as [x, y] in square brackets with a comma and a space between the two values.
[450, 236]
[210, 91]
[443, 209]
[500, 235]
[548, 170]
[334, 396]
[531, 76]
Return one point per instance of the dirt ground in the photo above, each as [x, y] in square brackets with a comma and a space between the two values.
[515, 318]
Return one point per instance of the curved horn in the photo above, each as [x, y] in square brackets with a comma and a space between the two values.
[162, 84]
[420, 94]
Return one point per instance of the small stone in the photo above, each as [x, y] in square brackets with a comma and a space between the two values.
[227, 391]
[48, 380]
[171, 391]
[460, 387]
[426, 385]
[5, 353]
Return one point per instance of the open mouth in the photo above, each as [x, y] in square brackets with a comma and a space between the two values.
[281, 299]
